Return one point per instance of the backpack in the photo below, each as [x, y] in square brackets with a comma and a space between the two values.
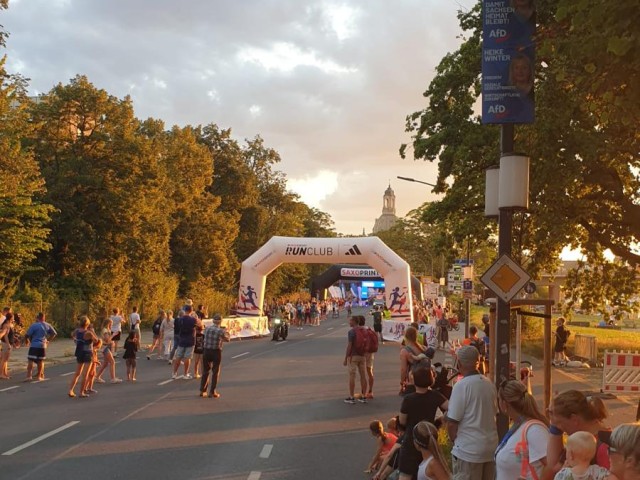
[480, 346]
[522, 451]
[361, 342]
[373, 341]
[156, 326]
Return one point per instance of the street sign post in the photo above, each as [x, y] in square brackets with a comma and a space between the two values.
[505, 278]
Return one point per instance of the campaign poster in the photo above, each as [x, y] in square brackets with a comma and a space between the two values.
[508, 59]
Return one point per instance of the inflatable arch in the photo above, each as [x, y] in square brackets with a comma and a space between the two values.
[355, 250]
[334, 273]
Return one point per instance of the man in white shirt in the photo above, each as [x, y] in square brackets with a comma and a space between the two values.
[471, 421]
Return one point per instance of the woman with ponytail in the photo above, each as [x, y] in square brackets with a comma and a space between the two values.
[433, 465]
[385, 442]
[523, 450]
[572, 412]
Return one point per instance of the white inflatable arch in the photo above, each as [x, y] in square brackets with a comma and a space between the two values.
[359, 250]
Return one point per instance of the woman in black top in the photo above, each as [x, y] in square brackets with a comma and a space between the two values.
[130, 348]
[417, 407]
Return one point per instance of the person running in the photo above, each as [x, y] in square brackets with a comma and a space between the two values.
[107, 355]
[6, 339]
[377, 322]
[131, 345]
[116, 329]
[214, 337]
[84, 339]
[39, 335]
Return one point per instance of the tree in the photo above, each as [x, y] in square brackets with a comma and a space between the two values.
[24, 217]
[586, 134]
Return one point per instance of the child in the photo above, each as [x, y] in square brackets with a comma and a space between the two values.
[385, 441]
[433, 466]
[130, 348]
[581, 448]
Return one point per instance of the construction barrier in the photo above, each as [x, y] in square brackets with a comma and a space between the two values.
[621, 373]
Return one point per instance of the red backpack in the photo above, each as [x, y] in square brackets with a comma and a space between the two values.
[361, 343]
[373, 341]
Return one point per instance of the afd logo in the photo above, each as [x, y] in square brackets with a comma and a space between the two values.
[353, 251]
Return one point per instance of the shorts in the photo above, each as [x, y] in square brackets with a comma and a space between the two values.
[409, 460]
[183, 352]
[198, 350]
[105, 349]
[156, 336]
[116, 337]
[36, 354]
[84, 357]
[357, 363]
[368, 362]
[463, 470]
[377, 327]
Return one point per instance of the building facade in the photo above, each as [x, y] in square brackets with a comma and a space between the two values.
[388, 217]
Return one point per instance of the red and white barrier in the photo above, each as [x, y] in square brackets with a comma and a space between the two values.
[621, 373]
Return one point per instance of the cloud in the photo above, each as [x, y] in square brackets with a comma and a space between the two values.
[327, 84]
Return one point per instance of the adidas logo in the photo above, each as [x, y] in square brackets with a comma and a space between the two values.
[354, 251]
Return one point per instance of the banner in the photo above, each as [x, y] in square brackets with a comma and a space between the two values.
[359, 272]
[508, 56]
[244, 327]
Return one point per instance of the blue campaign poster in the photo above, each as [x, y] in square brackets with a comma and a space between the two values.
[508, 55]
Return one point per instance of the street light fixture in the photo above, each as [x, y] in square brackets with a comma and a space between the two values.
[407, 179]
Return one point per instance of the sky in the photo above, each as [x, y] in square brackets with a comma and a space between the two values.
[327, 84]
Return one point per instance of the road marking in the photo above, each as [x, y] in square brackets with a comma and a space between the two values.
[40, 381]
[9, 388]
[266, 450]
[309, 334]
[281, 343]
[241, 355]
[67, 374]
[166, 381]
[40, 438]
[254, 476]
[330, 328]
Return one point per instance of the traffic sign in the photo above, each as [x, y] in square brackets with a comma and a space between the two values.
[505, 278]
[467, 285]
[530, 287]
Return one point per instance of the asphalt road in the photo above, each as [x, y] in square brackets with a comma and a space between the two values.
[280, 416]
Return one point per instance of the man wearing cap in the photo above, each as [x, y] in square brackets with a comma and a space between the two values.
[471, 420]
[214, 336]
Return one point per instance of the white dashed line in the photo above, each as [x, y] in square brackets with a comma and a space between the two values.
[254, 476]
[330, 328]
[166, 381]
[241, 355]
[8, 388]
[309, 334]
[40, 438]
[67, 374]
[281, 343]
[266, 450]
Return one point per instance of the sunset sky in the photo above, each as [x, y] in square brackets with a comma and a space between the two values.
[327, 84]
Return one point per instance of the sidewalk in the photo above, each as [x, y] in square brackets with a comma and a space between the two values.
[61, 350]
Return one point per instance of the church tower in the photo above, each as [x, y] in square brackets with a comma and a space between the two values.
[388, 217]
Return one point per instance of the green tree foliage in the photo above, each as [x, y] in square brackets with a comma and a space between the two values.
[23, 214]
[584, 183]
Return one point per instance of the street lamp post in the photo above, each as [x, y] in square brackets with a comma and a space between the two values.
[407, 179]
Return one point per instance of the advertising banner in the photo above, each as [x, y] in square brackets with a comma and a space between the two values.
[359, 272]
[244, 327]
[508, 56]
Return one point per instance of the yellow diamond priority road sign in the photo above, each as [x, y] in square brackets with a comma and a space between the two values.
[505, 278]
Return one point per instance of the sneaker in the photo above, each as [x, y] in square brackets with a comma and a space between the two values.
[198, 376]
[350, 400]
[369, 396]
[362, 400]
[115, 380]
[174, 376]
[101, 380]
[215, 395]
[188, 376]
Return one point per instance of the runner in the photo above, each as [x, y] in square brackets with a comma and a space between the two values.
[116, 329]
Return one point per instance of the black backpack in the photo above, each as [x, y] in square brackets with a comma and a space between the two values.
[156, 326]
